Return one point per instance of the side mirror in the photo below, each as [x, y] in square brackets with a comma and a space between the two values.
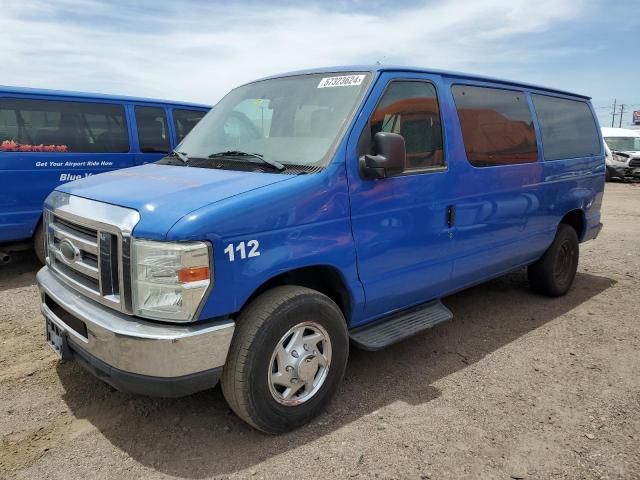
[390, 157]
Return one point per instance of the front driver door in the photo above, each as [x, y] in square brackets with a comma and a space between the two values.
[400, 223]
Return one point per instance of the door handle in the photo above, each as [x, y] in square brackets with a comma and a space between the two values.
[451, 215]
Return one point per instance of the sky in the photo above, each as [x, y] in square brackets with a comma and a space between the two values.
[199, 50]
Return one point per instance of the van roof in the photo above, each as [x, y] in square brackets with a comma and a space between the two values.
[619, 132]
[98, 96]
[399, 68]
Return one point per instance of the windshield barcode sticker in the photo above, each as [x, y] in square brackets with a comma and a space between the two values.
[343, 81]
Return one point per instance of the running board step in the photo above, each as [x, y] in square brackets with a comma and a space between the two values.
[400, 326]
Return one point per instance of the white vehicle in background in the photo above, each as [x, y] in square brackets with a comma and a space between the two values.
[622, 147]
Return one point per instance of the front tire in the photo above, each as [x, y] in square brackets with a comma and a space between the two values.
[553, 274]
[287, 358]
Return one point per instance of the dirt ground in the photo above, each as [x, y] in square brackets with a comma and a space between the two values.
[516, 386]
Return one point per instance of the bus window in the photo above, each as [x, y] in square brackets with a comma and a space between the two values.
[58, 126]
[152, 130]
[185, 120]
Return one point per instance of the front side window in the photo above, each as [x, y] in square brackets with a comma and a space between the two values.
[54, 126]
[293, 120]
[568, 128]
[152, 130]
[410, 109]
[496, 124]
[184, 121]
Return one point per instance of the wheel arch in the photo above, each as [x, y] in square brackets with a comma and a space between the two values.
[39, 221]
[326, 279]
[575, 219]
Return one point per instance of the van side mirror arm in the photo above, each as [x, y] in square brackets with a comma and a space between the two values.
[373, 166]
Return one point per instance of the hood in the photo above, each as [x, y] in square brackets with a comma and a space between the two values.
[163, 194]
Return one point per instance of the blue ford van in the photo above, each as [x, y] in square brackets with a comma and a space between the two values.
[51, 137]
[310, 211]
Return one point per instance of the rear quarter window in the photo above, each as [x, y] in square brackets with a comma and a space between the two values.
[497, 126]
[568, 128]
[28, 125]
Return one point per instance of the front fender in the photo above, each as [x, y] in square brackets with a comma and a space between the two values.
[259, 235]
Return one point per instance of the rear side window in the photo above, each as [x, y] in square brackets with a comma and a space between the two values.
[185, 120]
[55, 126]
[568, 128]
[497, 127]
[410, 109]
[152, 130]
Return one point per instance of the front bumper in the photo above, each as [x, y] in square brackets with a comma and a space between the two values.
[623, 171]
[132, 354]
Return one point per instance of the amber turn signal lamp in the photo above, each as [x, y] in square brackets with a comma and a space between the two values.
[193, 274]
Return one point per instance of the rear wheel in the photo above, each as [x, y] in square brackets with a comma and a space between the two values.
[553, 274]
[287, 358]
[38, 244]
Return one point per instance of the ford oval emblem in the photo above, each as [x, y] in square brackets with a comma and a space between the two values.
[69, 251]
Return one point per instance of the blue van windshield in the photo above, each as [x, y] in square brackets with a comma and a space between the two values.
[291, 120]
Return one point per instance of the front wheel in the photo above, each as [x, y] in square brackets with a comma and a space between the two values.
[553, 274]
[287, 358]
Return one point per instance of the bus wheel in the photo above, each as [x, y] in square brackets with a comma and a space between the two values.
[38, 244]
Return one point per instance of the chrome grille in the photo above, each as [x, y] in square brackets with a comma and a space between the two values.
[75, 248]
[91, 254]
[85, 256]
[634, 162]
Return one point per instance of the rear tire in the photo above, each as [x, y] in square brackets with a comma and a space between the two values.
[297, 318]
[553, 274]
[38, 244]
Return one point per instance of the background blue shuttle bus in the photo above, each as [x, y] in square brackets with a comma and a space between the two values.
[51, 137]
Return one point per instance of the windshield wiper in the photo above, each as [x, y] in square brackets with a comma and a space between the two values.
[181, 155]
[237, 153]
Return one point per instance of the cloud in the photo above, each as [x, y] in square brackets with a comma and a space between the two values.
[199, 50]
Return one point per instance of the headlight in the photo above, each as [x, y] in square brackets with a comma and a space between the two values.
[619, 158]
[169, 280]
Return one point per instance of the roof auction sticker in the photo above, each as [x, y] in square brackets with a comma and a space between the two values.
[342, 81]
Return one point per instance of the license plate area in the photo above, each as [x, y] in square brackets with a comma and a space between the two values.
[72, 323]
[57, 339]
